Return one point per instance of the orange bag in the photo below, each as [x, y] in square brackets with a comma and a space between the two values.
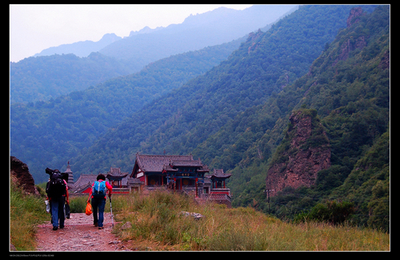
[88, 209]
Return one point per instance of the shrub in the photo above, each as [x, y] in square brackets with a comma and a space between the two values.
[77, 204]
[332, 212]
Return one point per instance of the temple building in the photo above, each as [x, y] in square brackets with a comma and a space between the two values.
[181, 173]
[176, 172]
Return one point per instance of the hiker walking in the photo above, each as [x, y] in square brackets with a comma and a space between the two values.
[57, 192]
[98, 195]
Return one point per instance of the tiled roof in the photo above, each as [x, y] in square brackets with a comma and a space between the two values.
[218, 173]
[83, 181]
[193, 163]
[158, 163]
[155, 163]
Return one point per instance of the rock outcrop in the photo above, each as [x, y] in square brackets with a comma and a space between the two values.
[351, 44]
[304, 152]
[354, 16]
[252, 38]
[20, 171]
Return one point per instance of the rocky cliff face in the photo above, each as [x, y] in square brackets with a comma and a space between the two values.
[20, 171]
[252, 38]
[352, 44]
[304, 151]
[354, 16]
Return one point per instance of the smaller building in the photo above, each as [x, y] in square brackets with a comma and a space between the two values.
[217, 190]
[116, 178]
[121, 182]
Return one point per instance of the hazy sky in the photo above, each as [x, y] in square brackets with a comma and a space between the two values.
[37, 27]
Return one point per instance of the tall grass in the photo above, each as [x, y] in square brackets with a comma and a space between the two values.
[25, 212]
[156, 221]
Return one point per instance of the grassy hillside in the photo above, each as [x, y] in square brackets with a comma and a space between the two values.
[157, 224]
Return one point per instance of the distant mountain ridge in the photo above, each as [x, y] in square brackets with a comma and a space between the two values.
[81, 48]
[196, 32]
[222, 24]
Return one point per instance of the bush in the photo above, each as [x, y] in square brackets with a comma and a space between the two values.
[77, 204]
[332, 212]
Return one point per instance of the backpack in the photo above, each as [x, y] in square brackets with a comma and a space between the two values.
[56, 186]
[99, 189]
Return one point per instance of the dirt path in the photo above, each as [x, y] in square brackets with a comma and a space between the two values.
[79, 234]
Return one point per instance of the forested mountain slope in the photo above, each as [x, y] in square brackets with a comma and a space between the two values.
[42, 78]
[348, 87]
[179, 121]
[58, 128]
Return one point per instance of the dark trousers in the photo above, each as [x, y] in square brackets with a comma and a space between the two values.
[100, 203]
[57, 211]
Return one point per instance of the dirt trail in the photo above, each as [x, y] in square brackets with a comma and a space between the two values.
[79, 234]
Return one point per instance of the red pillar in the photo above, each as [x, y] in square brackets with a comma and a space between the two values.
[196, 187]
[174, 184]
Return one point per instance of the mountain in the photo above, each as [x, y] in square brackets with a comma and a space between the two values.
[347, 88]
[45, 77]
[196, 32]
[81, 48]
[180, 121]
[57, 129]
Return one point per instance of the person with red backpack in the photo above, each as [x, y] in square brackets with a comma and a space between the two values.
[98, 195]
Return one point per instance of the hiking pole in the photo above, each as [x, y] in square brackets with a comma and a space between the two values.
[112, 216]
